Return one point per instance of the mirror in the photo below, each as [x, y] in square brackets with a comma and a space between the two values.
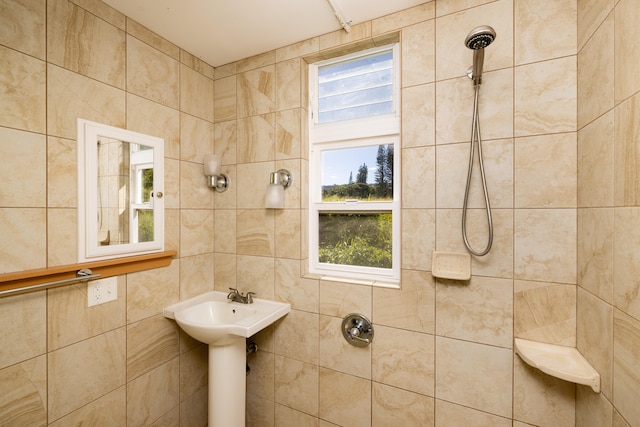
[120, 192]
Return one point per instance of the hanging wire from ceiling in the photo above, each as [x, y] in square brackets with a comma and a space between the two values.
[339, 16]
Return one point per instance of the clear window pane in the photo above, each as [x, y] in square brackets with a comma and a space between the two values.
[360, 173]
[358, 239]
[355, 89]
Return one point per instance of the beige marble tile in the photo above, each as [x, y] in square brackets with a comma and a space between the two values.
[261, 381]
[194, 192]
[337, 354]
[196, 275]
[296, 337]
[545, 312]
[23, 90]
[229, 198]
[291, 287]
[451, 415]
[618, 420]
[256, 139]
[172, 230]
[196, 138]
[61, 173]
[260, 412]
[149, 291]
[404, 359]
[499, 261]
[224, 99]
[171, 189]
[24, 397]
[193, 370]
[354, 411]
[452, 166]
[418, 115]
[412, 307]
[256, 91]
[359, 32]
[288, 139]
[144, 407]
[196, 64]
[545, 245]
[24, 243]
[69, 320]
[196, 232]
[79, 41]
[225, 231]
[287, 233]
[299, 49]
[418, 54]
[594, 336]
[592, 409]
[152, 74]
[595, 251]
[25, 331]
[453, 58]
[225, 70]
[288, 77]
[626, 262]
[451, 6]
[224, 141]
[22, 26]
[393, 406]
[104, 11]
[480, 310]
[627, 49]
[109, 409]
[550, 83]
[225, 272]
[544, 30]
[418, 238]
[63, 238]
[596, 162]
[591, 13]
[541, 399]
[285, 416]
[260, 60]
[296, 385]
[24, 177]
[545, 171]
[150, 343]
[454, 107]
[71, 96]
[403, 18]
[461, 377]
[196, 93]
[627, 133]
[83, 372]
[155, 119]
[255, 232]
[152, 39]
[256, 274]
[596, 74]
[339, 299]
[418, 177]
[192, 411]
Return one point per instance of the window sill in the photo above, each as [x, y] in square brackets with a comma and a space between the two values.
[391, 284]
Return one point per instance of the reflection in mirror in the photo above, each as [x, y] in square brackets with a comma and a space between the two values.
[124, 214]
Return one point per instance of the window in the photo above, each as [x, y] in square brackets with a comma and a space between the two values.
[354, 197]
[141, 212]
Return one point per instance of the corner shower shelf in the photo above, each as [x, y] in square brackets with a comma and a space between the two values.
[561, 362]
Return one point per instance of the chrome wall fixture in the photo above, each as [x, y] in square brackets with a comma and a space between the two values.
[278, 182]
[357, 330]
[215, 179]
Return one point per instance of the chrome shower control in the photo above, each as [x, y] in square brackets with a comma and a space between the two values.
[357, 330]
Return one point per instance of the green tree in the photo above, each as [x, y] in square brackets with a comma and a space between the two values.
[363, 171]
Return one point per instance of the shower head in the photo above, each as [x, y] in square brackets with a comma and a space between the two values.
[479, 38]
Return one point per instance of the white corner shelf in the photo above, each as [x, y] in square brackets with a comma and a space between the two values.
[559, 361]
[451, 265]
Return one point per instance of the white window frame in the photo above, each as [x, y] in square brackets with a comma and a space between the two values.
[369, 131]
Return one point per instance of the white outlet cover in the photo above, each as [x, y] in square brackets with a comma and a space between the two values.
[101, 291]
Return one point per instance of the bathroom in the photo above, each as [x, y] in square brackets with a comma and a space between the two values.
[560, 113]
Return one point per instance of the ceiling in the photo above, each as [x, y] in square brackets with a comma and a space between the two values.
[223, 31]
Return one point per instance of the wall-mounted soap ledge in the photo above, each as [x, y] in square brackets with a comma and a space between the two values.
[25, 281]
[451, 265]
[561, 362]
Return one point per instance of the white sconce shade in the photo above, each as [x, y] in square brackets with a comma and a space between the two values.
[279, 181]
[215, 179]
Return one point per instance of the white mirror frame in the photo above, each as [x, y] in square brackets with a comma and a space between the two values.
[89, 248]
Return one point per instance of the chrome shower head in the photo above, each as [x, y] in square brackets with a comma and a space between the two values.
[479, 38]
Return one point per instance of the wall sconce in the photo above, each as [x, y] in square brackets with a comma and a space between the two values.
[275, 191]
[215, 179]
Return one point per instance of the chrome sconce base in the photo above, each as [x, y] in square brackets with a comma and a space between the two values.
[282, 177]
[219, 182]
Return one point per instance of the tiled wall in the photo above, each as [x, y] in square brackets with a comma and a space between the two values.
[608, 298]
[442, 354]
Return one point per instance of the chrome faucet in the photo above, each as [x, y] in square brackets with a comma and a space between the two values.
[237, 296]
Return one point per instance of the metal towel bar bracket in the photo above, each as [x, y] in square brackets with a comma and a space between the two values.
[83, 275]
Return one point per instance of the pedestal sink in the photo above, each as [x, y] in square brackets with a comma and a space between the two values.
[225, 325]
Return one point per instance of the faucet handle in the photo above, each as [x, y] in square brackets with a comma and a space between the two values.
[233, 291]
[250, 297]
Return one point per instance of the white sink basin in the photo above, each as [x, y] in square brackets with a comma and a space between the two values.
[216, 320]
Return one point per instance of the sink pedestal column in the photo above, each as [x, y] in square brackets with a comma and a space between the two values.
[227, 383]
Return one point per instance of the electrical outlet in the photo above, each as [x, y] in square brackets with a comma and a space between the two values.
[103, 290]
